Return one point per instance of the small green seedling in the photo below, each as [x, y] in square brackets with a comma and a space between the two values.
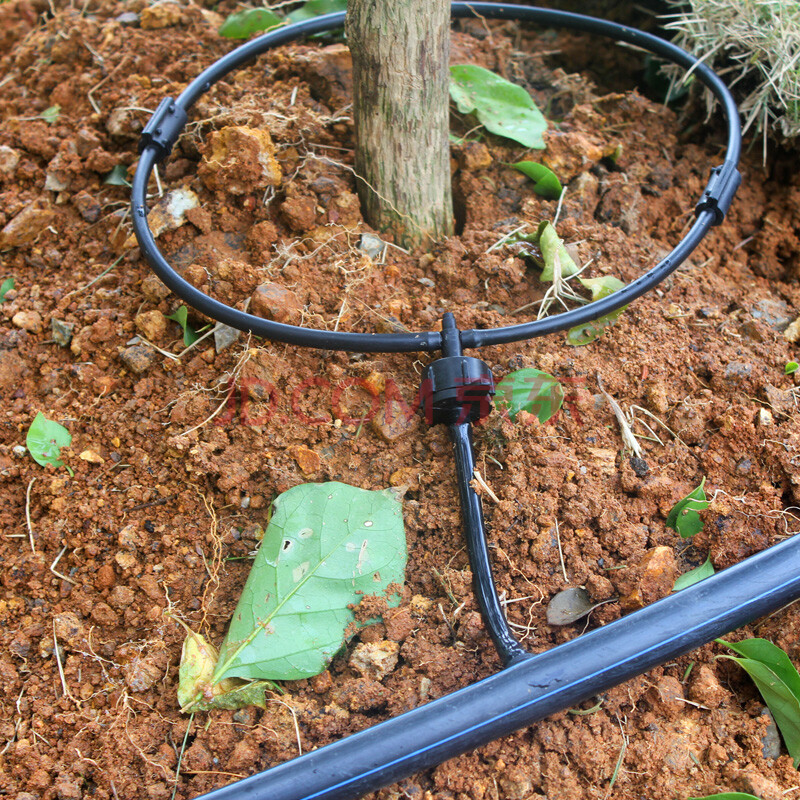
[181, 316]
[599, 287]
[778, 682]
[684, 516]
[327, 546]
[553, 249]
[791, 368]
[727, 796]
[500, 106]
[7, 285]
[244, 24]
[705, 570]
[545, 181]
[529, 390]
[117, 177]
[316, 8]
[50, 115]
[45, 439]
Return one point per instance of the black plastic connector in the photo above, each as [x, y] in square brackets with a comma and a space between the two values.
[163, 128]
[718, 195]
[455, 390]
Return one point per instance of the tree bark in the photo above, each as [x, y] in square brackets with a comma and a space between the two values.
[401, 51]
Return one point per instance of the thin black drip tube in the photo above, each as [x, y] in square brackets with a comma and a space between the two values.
[710, 210]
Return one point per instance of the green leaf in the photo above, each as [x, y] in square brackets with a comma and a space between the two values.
[316, 8]
[118, 176]
[529, 390]
[705, 570]
[502, 107]
[245, 23]
[778, 682]
[181, 316]
[552, 248]
[546, 183]
[727, 796]
[45, 439]
[326, 546]
[789, 369]
[684, 517]
[7, 285]
[51, 115]
[599, 287]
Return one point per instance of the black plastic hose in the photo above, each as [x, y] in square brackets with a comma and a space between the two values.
[534, 688]
[163, 130]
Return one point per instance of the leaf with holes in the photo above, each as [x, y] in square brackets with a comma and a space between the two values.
[326, 546]
[244, 24]
[778, 682]
[599, 287]
[684, 516]
[45, 439]
[502, 107]
[529, 390]
[705, 570]
[545, 181]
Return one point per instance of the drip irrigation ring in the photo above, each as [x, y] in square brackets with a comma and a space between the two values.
[456, 391]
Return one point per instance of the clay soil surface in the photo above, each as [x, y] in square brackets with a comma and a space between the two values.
[177, 455]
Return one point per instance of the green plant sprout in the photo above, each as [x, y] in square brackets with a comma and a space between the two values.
[7, 285]
[181, 316]
[727, 796]
[243, 24]
[45, 439]
[50, 115]
[529, 390]
[502, 107]
[789, 369]
[545, 181]
[684, 516]
[117, 177]
[327, 546]
[778, 682]
[599, 287]
[705, 570]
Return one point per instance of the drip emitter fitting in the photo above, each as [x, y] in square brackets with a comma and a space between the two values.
[456, 391]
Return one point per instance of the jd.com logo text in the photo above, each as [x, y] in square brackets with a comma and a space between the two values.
[354, 401]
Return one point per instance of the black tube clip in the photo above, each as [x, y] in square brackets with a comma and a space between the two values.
[456, 389]
[719, 193]
[163, 128]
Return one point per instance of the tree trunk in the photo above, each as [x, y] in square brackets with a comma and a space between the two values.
[401, 52]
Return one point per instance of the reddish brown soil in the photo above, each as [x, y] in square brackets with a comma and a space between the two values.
[168, 494]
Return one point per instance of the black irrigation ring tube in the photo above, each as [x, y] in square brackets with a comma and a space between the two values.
[457, 391]
[164, 128]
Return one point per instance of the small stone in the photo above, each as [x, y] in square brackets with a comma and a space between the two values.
[160, 15]
[321, 683]
[756, 784]
[240, 160]
[9, 160]
[12, 369]
[30, 321]
[27, 225]
[121, 597]
[68, 629]
[130, 537]
[105, 577]
[771, 740]
[792, 333]
[375, 659]
[273, 301]
[568, 606]
[225, 336]
[92, 457]
[140, 673]
[125, 560]
[151, 324]
[765, 417]
[138, 358]
[736, 370]
[19, 450]
[62, 332]
[399, 623]
[669, 695]
[639, 466]
[390, 423]
[375, 383]
[308, 460]
[300, 212]
[88, 206]
[154, 290]
[775, 312]
[474, 156]
[372, 245]
[104, 615]
[128, 18]
[652, 578]
[706, 689]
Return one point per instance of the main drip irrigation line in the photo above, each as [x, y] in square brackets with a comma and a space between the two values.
[456, 391]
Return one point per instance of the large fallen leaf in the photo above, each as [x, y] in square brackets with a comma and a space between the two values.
[502, 107]
[778, 682]
[45, 439]
[326, 546]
